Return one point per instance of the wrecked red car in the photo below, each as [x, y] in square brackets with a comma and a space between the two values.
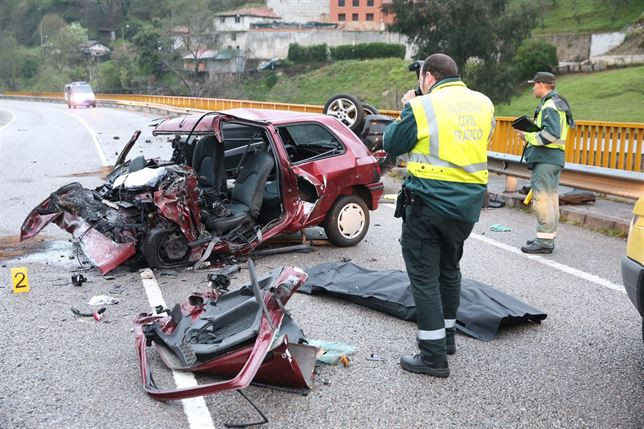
[236, 179]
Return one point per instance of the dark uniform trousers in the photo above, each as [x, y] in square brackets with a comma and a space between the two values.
[432, 247]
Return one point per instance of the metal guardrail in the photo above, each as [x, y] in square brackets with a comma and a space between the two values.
[601, 156]
[607, 181]
[614, 145]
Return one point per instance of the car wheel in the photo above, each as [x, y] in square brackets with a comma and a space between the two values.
[165, 248]
[347, 109]
[347, 222]
[369, 110]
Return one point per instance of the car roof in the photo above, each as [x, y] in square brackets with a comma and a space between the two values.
[185, 124]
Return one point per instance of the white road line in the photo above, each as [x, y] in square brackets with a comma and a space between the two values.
[545, 261]
[13, 118]
[195, 408]
[97, 144]
[552, 264]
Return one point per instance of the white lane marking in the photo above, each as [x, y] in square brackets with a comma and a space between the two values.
[552, 264]
[13, 118]
[195, 408]
[97, 144]
[545, 261]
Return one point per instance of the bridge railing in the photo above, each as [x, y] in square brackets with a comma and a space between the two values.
[613, 145]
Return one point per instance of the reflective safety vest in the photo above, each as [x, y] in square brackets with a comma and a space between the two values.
[543, 138]
[454, 127]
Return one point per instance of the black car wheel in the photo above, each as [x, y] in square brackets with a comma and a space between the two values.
[347, 222]
[165, 248]
[347, 109]
[369, 110]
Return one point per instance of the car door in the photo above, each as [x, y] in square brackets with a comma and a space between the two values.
[318, 160]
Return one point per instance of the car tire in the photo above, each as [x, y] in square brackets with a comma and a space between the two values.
[347, 222]
[369, 109]
[347, 109]
[165, 248]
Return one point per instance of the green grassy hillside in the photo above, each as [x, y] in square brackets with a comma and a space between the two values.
[614, 95]
[380, 82]
[585, 16]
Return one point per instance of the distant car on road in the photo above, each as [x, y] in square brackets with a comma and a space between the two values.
[79, 94]
[633, 261]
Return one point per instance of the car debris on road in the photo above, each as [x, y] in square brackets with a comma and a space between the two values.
[246, 335]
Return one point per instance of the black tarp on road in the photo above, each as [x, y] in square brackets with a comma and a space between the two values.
[482, 311]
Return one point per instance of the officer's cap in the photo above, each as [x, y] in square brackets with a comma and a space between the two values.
[543, 77]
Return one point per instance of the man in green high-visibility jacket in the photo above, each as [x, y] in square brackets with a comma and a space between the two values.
[445, 133]
[545, 156]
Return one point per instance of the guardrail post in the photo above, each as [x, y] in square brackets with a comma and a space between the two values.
[510, 184]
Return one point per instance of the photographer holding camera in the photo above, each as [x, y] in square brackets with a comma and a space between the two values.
[444, 132]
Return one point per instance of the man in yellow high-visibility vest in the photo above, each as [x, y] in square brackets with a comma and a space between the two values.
[545, 156]
[445, 133]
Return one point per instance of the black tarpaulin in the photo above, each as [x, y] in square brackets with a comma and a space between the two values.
[482, 311]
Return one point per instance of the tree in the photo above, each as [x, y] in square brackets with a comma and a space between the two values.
[481, 30]
[10, 68]
[148, 44]
[67, 44]
[534, 55]
[49, 27]
[191, 24]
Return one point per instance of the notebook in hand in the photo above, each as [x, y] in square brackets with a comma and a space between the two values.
[525, 124]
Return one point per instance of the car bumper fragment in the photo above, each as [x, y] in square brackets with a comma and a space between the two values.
[633, 276]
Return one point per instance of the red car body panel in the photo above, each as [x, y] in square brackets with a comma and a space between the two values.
[244, 364]
[102, 252]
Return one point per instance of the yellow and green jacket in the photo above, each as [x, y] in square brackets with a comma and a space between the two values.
[547, 146]
[445, 135]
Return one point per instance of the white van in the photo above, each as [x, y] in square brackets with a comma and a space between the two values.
[79, 94]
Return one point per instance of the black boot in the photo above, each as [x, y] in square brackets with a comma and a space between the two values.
[419, 365]
[536, 248]
[529, 242]
[450, 342]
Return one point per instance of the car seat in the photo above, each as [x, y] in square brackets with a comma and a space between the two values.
[247, 193]
[203, 160]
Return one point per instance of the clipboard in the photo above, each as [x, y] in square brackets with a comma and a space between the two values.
[525, 124]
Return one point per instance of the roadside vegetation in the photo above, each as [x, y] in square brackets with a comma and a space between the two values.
[585, 16]
[153, 46]
[612, 95]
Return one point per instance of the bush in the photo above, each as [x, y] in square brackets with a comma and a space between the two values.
[363, 51]
[302, 54]
[271, 80]
[534, 55]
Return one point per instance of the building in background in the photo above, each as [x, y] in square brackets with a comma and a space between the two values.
[360, 14]
[301, 10]
[232, 27]
[264, 34]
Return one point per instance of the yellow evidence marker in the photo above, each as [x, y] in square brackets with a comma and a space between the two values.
[20, 280]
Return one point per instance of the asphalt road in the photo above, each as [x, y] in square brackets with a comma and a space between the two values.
[582, 367]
